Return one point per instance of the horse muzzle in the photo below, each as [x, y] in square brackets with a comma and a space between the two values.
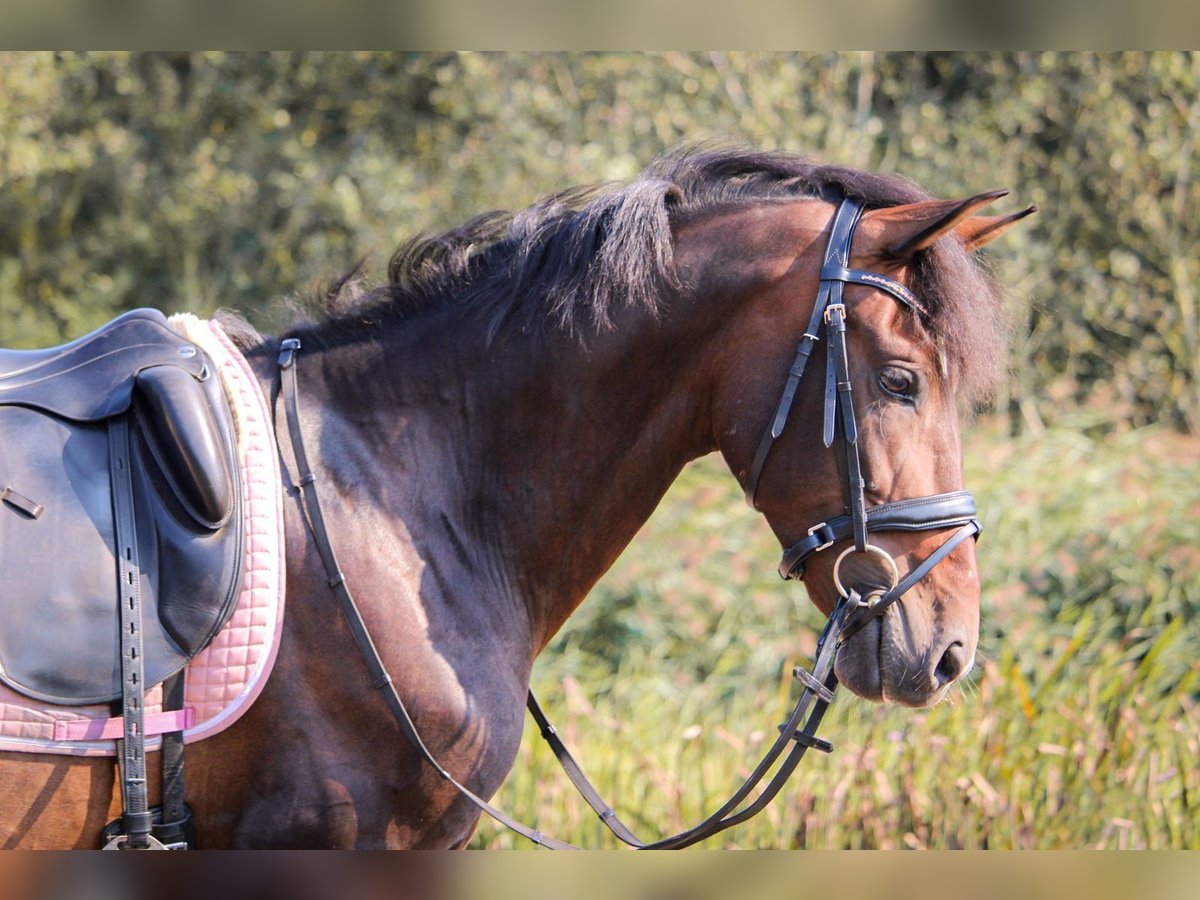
[910, 655]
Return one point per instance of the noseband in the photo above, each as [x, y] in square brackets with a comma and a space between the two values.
[931, 513]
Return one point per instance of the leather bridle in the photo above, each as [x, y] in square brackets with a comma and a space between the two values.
[797, 734]
[931, 513]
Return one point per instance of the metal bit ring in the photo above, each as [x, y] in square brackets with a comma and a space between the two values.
[869, 548]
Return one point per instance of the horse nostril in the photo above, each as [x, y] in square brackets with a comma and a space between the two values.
[951, 665]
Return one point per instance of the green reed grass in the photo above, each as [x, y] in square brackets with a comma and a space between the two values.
[1080, 726]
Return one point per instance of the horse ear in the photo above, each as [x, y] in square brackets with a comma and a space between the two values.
[908, 229]
[980, 230]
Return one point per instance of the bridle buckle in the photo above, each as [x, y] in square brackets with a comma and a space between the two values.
[830, 540]
[840, 307]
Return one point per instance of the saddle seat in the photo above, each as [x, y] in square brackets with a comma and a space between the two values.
[59, 617]
[90, 378]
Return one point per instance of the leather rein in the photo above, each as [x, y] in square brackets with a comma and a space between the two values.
[797, 734]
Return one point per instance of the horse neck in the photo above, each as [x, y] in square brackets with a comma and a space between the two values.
[521, 467]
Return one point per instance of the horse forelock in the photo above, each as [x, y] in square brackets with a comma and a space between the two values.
[570, 260]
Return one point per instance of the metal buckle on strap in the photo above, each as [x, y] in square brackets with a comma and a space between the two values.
[829, 537]
[287, 351]
[806, 678]
[29, 507]
[840, 307]
[152, 843]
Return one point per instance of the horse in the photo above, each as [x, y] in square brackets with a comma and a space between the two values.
[491, 426]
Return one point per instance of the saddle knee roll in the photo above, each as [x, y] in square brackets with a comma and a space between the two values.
[175, 416]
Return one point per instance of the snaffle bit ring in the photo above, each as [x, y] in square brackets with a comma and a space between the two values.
[869, 548]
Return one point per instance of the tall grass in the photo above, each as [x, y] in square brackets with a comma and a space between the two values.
[1080, 726]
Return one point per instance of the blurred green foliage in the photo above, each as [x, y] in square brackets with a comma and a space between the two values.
[200, 180]
[1080, 726]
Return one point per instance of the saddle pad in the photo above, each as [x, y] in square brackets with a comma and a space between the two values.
[227, 676]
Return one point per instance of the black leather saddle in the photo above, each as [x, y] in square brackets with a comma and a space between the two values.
[133, 394]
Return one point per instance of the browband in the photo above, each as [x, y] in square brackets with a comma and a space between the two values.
[872, 279]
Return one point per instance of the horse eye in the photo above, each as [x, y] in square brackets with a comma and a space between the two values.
[897, 382]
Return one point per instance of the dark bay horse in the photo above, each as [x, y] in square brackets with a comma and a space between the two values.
[492, 427]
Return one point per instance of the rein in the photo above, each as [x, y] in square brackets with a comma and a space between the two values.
[797, 734]
[819, 684]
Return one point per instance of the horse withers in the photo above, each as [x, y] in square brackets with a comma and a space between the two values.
[490, 428]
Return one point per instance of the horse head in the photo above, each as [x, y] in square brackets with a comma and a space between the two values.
[893, 293]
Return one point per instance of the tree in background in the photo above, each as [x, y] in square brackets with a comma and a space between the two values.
[201, 180]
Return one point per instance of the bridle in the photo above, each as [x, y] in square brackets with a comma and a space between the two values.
[931, 513]
[797, 734]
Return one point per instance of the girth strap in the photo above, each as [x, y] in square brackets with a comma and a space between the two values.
[175, 830]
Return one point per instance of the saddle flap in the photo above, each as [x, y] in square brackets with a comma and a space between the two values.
[174, 412]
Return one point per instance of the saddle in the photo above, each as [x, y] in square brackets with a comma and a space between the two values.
[122, 438]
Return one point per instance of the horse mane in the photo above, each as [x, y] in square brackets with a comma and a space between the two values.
[570, 259]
